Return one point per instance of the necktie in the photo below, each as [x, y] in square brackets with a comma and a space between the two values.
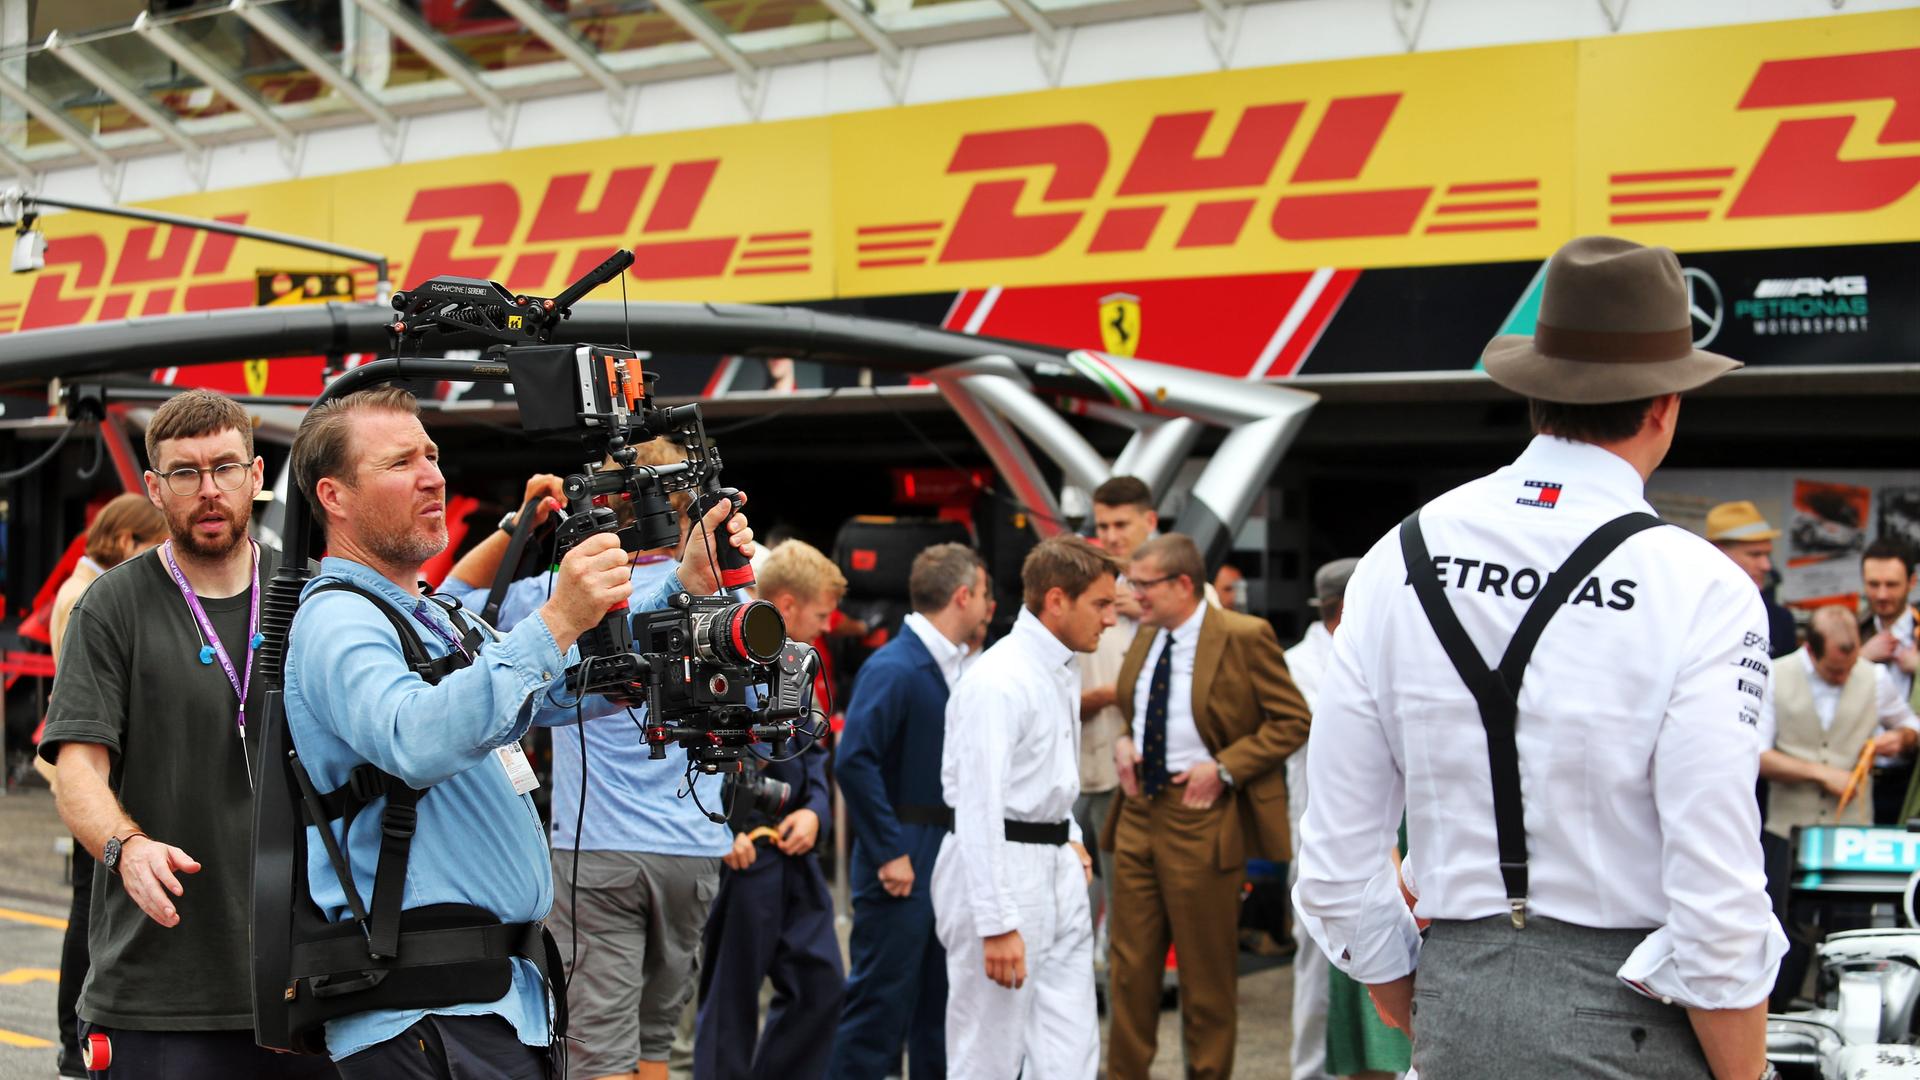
[1153, 756]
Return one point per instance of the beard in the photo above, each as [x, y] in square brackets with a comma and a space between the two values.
[184, 528]
[407, 544]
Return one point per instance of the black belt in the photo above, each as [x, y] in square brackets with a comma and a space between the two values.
[938, 817]
[1018, 832]
[1037, 832]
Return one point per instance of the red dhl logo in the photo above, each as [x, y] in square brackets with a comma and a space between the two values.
[1168, 163]
[1798, 172]
[469, 230]
[565, 225]
[153, 271]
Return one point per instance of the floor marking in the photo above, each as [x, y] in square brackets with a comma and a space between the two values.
[31, 919]
[24, 1042]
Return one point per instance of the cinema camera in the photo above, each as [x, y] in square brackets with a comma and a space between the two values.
[699, 665]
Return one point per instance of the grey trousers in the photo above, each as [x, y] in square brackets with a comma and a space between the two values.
[1494, 1003]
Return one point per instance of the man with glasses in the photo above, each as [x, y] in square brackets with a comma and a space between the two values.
[1213, 715]
[149, 727]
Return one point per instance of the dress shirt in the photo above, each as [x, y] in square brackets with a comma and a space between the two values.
[1101, 667]
[1890, 705]
[1184, 748]
[951, 657]
[1637, 739]
[1903, 634]
[351, 699]
[1012, 753]
[1305, 662]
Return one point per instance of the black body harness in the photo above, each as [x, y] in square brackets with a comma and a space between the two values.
[387, 957]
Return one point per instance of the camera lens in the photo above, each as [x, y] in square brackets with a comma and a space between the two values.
[750, 633]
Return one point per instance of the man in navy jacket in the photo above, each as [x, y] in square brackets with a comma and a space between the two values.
[889, 772]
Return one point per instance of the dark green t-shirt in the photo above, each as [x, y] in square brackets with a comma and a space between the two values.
[130, 679]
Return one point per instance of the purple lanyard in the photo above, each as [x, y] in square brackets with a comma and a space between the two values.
[214, 648]
[420, 614]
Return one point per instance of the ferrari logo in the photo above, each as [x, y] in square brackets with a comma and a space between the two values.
[256, 372]
[513, 322]
[1120, 323]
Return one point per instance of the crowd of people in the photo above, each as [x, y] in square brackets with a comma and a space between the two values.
[1570, 861]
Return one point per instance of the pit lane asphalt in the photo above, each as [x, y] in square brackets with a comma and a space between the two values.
[33, 911]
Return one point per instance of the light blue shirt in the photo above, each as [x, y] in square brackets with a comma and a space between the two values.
[633, 803]
[351, 699]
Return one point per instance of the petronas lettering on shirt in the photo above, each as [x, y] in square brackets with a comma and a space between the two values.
[1525, 582]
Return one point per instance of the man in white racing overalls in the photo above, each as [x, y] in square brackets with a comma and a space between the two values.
[1010, 885]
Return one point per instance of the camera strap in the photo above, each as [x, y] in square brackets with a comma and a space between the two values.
[1497, 690]
[517, 541]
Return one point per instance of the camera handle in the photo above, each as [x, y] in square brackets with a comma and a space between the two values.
[614, 635]
[736, 570]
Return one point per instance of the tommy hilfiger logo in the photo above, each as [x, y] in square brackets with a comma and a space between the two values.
[1541, 493]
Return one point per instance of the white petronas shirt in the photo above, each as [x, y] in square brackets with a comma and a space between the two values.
[1637, 739]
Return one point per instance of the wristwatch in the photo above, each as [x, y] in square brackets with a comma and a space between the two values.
[110, 851]
[508, 520]
[1225, 776]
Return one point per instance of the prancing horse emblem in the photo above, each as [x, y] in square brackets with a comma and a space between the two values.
[1120, 323]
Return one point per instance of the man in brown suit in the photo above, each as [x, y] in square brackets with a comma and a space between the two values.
[1213, 715]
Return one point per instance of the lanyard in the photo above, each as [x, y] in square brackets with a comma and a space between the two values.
[441, 632]
[214, 647]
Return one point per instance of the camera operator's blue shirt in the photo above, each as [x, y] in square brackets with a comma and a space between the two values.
[633, 803]
[350, 698]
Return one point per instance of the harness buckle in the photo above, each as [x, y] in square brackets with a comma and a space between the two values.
[365, 783]
[1519, 912]
[397, 821]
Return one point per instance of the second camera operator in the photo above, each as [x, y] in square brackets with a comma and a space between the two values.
[354, 701]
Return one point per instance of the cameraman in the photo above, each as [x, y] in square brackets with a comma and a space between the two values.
[636, 876]
[373, 476]
[774, 916]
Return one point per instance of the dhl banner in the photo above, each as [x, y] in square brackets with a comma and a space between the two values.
[1773, 135]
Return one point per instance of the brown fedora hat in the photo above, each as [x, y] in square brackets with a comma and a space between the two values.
[1613, 326]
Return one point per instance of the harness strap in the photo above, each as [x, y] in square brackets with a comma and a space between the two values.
[367, 783]
[1497, 691]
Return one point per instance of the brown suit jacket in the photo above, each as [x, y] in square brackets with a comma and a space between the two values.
[1250, 716]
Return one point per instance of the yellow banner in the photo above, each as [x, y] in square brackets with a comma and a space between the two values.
[1769, 135]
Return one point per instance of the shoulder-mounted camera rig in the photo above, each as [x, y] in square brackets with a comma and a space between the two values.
[716, 672]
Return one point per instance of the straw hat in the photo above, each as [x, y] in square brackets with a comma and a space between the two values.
[1613, 326]
[1738, 522]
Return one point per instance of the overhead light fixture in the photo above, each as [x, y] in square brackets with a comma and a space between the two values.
[29, 245]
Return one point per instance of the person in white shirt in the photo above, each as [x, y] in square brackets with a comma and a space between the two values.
[1825, 704]
[1584, 839]
[1123, 519]
[1305, 661]
[1010, 882]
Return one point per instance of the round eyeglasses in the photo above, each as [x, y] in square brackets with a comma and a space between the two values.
[228, 477]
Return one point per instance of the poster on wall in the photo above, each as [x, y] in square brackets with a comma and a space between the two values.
[1827, 531]
[1900, 514]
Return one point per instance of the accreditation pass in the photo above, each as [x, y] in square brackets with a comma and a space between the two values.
[519, 769]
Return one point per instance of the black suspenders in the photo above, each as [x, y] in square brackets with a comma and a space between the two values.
[1497, 690]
